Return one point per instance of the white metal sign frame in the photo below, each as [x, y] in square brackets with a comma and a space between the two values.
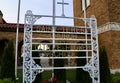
[89, 30]
[31, 69]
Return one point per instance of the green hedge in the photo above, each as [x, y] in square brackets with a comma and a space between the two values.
[116, 77]
[8, 62]
[105, 76]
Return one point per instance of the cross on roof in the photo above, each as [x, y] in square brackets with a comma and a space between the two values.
[62, 3]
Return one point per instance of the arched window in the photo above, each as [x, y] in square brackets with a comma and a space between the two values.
[43, 47]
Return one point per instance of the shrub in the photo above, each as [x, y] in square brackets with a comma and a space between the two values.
[104, 66]
[116, 78]
[52, 80]
[8, 62]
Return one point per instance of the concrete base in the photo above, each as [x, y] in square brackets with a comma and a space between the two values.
[113, 71]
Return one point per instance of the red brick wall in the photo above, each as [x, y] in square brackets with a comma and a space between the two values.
[114, 10]
[105, 11]
[111, 40]
[105, 40]
[115, 49]
[99, 8]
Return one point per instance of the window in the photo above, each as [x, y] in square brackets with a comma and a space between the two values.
[43, 47]
[85, 4]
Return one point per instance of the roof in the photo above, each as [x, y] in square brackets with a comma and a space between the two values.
[4, 21]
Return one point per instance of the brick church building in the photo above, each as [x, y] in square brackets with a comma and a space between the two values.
[107, 13]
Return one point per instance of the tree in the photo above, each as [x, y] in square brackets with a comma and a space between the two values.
[104, 66]
[37, 61]
[81, 75]
[8, 62]
[3, 43]
[59, 74]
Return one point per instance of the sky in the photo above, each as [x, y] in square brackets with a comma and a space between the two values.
[9, 9]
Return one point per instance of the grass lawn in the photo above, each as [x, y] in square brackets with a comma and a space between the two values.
[70, 76]
[47, 75]
[19, 76]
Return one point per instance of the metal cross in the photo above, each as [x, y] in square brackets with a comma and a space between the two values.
[62, 3]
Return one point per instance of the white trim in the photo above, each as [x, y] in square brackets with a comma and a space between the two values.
[83, 5]
[87, 3]
[113, 71]
[114, 26]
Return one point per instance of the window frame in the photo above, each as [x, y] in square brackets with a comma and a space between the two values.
[87, 4]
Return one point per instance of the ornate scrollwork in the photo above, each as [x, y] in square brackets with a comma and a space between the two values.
[31, 69]
[93, 66]
[35, 69]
